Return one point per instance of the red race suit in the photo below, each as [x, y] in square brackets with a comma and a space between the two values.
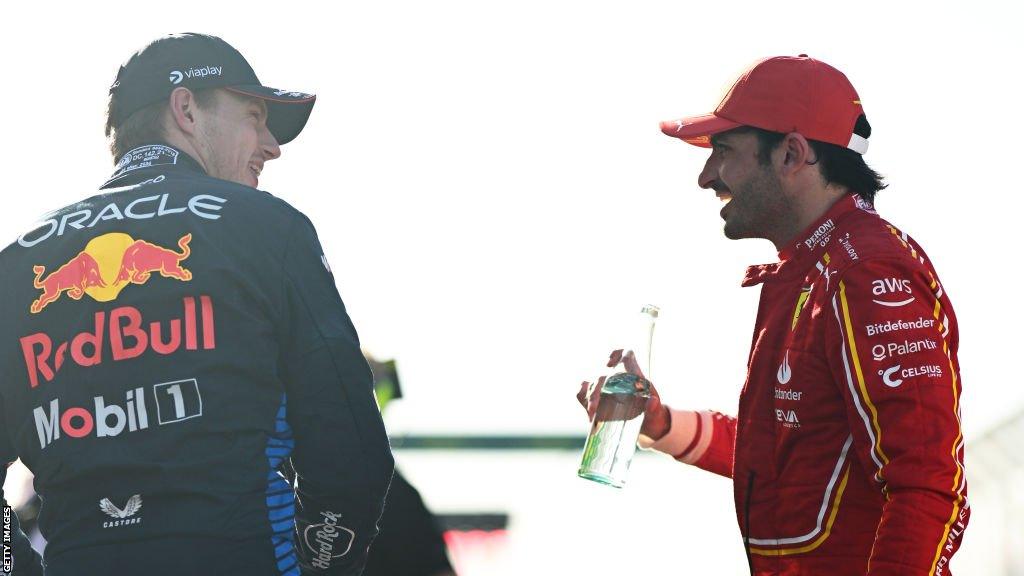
[847, 453]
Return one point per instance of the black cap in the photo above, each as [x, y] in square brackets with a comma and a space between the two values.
[198, 61]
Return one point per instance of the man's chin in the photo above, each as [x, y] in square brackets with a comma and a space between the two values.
[734, 232]
[247, 180]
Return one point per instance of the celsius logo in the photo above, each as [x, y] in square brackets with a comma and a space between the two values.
[891, 286]
[887, 376]
[322, 540]
[107, 264]
[124, 517]
[176, 77]
[785, 372]
[929, 371]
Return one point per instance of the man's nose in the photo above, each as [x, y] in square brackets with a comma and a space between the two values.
[709, 174]
[271, 149]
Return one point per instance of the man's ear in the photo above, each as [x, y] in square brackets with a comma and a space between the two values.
[796, 153]
[183, 110]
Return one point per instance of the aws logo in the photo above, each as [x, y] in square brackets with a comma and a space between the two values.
[106, 266]
[895, 286]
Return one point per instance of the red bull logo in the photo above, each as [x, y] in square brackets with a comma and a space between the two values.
[118, 335]
[108, 264]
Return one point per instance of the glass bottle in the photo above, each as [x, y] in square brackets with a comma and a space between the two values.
[620, 413]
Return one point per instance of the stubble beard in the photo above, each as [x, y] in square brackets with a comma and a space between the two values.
[763, 209]
[215, 165]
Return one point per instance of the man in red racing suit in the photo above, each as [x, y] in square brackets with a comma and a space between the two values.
[846, 455]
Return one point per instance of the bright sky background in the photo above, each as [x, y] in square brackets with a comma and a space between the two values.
[494, 195]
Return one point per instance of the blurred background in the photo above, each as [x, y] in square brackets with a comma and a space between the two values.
[495, 198]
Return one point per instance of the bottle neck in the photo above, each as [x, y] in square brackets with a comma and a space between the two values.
[644, 340]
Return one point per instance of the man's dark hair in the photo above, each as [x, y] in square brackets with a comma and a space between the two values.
[839, 165]
[145, 126]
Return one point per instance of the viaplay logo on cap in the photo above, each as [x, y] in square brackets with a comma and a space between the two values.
[177, 76]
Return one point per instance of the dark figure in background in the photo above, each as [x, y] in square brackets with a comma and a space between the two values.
[410, 543]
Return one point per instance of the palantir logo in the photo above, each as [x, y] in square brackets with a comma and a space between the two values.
[176, 77]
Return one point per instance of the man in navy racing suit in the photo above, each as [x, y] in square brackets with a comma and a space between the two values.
[170, 342]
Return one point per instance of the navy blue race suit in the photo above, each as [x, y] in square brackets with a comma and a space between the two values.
[165, 346]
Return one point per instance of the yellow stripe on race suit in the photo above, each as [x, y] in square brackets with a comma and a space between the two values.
[800, 301]
[956, 442]
[821, 539]
[851, 341]
[943, 330]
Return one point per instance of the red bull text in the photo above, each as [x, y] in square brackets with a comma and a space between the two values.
[123, 330]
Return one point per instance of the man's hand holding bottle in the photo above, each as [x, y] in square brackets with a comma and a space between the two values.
[657, 419]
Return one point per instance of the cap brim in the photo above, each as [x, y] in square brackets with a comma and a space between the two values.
[287, 112]
[697, 130]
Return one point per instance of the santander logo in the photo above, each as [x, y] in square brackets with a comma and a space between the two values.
[785, 372]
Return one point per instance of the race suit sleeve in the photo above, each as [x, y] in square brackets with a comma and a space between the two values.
[25, 560]
[342, 459]
[704, 439]
[892, 349]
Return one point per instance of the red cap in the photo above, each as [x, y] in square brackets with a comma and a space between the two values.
[783, 94]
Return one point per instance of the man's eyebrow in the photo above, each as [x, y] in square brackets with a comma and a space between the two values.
[716, 141]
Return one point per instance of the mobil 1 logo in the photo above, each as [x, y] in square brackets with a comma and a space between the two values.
[177, 401]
